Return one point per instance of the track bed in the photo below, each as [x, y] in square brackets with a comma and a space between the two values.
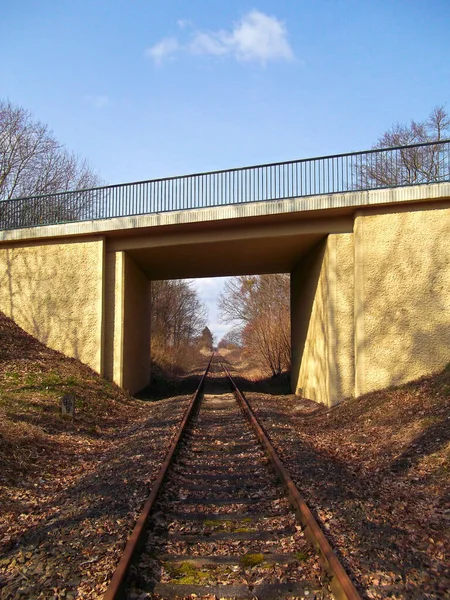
[222, 525]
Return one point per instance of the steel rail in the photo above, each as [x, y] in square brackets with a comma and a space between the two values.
[115, 589]
[340, 583]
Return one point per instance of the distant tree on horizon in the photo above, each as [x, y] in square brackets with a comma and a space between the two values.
[206, 339]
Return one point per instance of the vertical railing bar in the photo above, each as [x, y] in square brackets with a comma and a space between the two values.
[216, 195]
[241, 191]
[374, 169]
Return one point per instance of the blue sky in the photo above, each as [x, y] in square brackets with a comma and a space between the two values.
[147, 89]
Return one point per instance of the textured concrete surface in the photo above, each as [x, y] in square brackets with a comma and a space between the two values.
[55, 292]
[136, 328]
[113, 310]
[322, 295]
[402, 296]
[341, 316]
[309, 326]
[127, 318]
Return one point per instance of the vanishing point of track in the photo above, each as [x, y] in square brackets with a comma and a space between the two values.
[218, 523]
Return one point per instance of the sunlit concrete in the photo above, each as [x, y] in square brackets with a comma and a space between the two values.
[343, 203]
[370, 272]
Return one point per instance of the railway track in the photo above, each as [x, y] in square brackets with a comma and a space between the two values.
[219, 521]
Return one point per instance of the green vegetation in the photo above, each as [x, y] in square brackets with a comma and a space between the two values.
[187, 573]
[251, 560]
[301, 556]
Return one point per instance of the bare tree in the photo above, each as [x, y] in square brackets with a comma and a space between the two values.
[32, 163]
[178, 318]
[261, 303]
[232, 339]
[407, 166]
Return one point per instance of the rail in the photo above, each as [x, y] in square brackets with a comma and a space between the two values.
[340, 583]
[116, 586]
[357, 171]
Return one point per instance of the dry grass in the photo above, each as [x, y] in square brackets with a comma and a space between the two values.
[33, 379]
[70, 491]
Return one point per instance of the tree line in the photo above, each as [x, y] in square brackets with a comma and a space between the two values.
[259, 305]
[178, 323]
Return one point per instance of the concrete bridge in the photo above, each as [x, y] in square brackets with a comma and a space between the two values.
[369, 259]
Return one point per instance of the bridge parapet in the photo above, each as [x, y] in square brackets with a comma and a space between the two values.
[381, 168]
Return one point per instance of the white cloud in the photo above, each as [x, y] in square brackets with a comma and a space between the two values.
[257, 37]
[208, 43]
[163, 50]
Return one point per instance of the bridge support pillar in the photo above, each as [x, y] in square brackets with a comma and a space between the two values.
[322, 321]
[371, 309]
[127, 317]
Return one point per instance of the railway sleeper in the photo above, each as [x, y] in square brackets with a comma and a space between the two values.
[222, 526]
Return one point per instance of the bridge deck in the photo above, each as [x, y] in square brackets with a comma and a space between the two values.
[349, 174]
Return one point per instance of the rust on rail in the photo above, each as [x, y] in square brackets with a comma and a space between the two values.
[115, 589]
[341, 585]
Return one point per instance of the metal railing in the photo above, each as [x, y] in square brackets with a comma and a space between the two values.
[372, 169]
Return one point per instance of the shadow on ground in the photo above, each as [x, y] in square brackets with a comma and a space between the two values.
[167, 385]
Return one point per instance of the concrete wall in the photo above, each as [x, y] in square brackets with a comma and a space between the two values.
[55, 292]
[127, 315]
[136, 328]
[309, 373]
[372, 309]
[114, 307]
[402, 300]
[86, 303]
[322, 296]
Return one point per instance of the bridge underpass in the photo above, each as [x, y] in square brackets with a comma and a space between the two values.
[370, 281]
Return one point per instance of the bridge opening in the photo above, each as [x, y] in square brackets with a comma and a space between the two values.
[201, 251]
[245, 318]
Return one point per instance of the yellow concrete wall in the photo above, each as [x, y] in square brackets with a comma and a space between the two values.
[127, 317]
[136, 327]
[114, 307]
[55, 292]
[322, 296]
[341, 316]
[402, 296]
[309, 326]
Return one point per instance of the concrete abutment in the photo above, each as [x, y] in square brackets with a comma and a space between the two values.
[54, 290]
[370, 281]
[322, 321]
[371, 309]
[127, 322]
